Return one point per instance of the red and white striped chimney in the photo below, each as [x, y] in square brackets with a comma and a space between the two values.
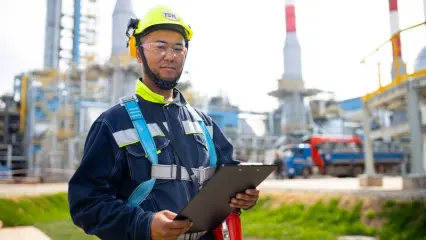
[292, 57]
[290, 16]
[394, 22]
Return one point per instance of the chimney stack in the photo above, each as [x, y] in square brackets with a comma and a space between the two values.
[396, 44]
[292, 56]
[123, 11]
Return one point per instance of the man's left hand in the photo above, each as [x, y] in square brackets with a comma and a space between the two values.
[245, 200]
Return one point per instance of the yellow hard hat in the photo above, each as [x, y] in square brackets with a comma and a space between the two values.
[159, 15]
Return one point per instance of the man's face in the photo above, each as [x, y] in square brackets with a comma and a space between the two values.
[163, 62]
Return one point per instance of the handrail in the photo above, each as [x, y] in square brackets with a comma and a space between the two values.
[399, 78]
[390, 39]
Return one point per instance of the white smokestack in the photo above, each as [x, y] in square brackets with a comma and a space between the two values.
[396, 45]
[123, 11]
[292, 56]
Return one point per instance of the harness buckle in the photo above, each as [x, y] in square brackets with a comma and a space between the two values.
[201, 175]
[172, 176]
[126, 99]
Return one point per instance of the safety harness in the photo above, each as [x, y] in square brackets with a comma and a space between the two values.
[159, 171]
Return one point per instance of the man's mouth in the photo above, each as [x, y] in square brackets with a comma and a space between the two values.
[168, 67]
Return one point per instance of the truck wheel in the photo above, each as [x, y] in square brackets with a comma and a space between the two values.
[358, 170]
[306, 172]
[380, 169]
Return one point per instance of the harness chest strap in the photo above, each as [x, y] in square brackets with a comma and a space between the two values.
[159, 171]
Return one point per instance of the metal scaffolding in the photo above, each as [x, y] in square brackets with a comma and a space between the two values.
[403, 99]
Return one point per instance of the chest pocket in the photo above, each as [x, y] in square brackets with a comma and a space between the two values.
[138, 162]
[193, 130]
[203, 155]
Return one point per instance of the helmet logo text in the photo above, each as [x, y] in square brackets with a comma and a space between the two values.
[170, 16]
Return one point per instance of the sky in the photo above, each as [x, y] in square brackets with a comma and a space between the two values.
[238, 45]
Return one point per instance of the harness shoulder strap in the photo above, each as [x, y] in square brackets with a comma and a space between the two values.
[148, 144]
[209, 139]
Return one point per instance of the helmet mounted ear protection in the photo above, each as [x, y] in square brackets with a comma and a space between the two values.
[157, 18]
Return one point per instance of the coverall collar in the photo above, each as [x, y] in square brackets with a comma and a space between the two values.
[144, 92]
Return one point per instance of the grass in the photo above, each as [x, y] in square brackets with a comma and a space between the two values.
[49, 213]
[63, 230]
[296, 221]
[27, 210]
[325, 220]
[402, 221]
[405, 220]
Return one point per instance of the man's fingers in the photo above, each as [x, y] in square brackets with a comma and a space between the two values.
[248, 201]
[170, 215]
[243, 206]
[246, 197]
[173, 232]
[238, 203]
[254, 192]
[179, 224]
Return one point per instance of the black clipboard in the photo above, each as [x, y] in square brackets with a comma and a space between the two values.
[210, 207]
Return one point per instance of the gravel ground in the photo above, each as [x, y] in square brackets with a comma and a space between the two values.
[391, 188]
[12, 190]
[21, 233]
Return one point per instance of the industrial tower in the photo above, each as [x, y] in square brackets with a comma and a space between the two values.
[121, 15]
[293, 115]
[404, 98]
[71, 29]
[71, 93]
[126, 69]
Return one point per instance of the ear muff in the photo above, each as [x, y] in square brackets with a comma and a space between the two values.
[131, 43]
[132, 48]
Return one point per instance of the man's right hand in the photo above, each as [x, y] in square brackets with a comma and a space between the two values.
[164, 227]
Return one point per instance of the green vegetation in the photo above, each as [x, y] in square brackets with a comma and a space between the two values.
[50, 213]
[63, 230]
[328, 221]
[28, 210]
[321, 220]
[405, 220]
[295, 221]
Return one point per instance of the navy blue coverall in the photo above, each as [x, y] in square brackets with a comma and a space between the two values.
[114, 164]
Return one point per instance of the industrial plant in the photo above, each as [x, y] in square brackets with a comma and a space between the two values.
[44, 123]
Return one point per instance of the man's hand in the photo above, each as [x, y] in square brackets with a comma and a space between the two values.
[245, 200]
[163, 226]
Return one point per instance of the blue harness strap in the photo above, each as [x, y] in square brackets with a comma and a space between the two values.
[148, 144]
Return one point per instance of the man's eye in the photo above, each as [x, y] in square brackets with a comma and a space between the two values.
[161, 46]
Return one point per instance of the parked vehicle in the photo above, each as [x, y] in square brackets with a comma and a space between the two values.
[338, 156]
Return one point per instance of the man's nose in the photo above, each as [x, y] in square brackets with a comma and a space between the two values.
[169, 54]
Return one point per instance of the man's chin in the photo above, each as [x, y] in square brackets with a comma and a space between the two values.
[169, 78]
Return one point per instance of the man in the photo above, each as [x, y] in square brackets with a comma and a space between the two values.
[280, 163]
[115, 163]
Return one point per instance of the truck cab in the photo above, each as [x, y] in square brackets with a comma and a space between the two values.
[297, 160]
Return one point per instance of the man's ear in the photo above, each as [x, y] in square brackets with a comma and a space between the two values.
[138, 55]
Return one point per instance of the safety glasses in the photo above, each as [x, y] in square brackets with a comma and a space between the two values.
[161, 49]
